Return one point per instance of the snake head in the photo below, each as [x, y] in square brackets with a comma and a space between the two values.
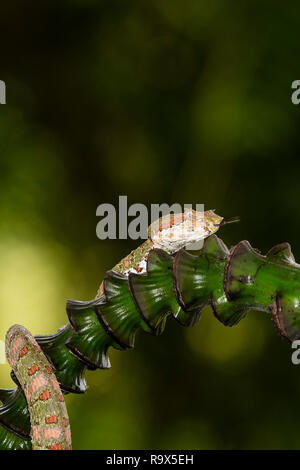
[174, 231]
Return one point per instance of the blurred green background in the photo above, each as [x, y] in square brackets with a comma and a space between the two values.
[162, 101]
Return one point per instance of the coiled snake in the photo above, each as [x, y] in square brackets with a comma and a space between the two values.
[153, 283]
[33, 371]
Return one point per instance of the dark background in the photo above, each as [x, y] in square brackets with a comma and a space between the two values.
[162, 101]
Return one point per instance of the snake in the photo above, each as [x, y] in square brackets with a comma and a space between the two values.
[170, 233]
[157, 281]
[33, 372]
[49, 419]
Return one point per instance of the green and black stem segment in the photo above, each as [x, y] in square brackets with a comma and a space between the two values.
[231, 282]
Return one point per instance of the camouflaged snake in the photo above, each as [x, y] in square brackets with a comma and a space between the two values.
[50, 428]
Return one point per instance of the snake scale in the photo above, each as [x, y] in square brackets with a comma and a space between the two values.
[157, 280]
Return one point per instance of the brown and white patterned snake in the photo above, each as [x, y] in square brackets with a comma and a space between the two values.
[50, 427]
